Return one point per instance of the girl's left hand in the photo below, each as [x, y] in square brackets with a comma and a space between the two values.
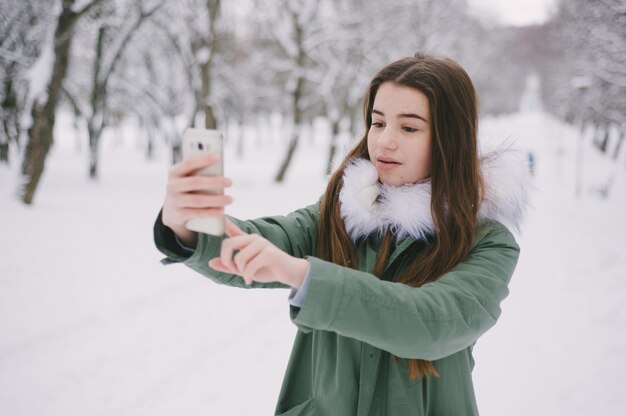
[257, 260]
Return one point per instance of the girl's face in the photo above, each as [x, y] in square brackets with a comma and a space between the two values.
[399, 140]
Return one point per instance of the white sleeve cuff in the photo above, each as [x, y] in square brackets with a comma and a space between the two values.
[297, 295]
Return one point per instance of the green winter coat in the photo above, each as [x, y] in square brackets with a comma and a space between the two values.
[352, 323]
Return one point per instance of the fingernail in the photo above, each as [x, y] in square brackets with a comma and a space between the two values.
[227, 182]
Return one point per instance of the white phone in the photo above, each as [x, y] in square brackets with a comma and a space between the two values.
[197, 142]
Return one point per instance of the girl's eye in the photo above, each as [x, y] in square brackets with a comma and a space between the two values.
[410, 129]
[377, 124]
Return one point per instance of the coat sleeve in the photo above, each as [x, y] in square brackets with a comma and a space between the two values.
[429, 322]
[296, 234]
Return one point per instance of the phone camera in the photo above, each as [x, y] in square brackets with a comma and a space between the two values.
[200, 146]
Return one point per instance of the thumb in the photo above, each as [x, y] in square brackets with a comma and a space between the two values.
[232, 230]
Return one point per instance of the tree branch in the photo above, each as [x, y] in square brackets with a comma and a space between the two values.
[86, 8]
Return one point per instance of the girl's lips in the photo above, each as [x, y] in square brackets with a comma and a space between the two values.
[387, 160]
[386, 164]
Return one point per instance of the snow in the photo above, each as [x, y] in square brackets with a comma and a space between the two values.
[81, 5]
[203, 55]
[93, 324]
[39, 75]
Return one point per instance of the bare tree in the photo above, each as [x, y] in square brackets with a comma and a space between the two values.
[159, 92]
[109, 50]
[341, 61]
[53, 63]
[23, 29]
[157, 95]
[587, 73]
[195, 39]
[205, 48]
[290, 23]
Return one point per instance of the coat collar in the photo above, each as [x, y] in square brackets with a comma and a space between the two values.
[367, 206]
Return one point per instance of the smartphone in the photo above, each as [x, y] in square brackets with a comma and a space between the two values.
[198, 142]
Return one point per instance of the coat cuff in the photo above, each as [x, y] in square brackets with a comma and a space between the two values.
[323, 298]
[298, 295]
[167, 243]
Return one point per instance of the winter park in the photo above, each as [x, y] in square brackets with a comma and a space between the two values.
[95, 96]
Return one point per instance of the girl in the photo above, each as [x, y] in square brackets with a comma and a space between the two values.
[400, 266]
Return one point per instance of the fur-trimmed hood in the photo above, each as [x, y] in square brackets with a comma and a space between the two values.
[367, 206]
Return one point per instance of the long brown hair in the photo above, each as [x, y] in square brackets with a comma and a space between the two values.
[455, 177]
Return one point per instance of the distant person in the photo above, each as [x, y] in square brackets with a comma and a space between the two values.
[397, 270]
[531, 162]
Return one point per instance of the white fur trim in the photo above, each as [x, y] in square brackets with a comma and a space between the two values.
[405, 210]
[368, 206]
[507, 186]
[360, 188]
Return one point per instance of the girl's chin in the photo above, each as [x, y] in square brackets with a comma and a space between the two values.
[391, 180]
[394, 180]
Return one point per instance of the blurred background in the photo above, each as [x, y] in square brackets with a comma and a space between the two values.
[95, 94]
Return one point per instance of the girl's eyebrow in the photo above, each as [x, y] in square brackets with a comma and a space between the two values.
[405, 115]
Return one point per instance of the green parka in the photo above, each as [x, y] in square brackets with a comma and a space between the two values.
[353, 325]
[356, 331]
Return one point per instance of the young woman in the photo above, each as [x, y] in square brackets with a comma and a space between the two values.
[397, 270]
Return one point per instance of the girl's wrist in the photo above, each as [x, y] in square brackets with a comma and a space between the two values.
[300, 270]
[187, 237]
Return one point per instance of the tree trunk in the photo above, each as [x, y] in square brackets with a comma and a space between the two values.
[601, 138]
[40, 133]
[618, 147]
[150, 145]
[293, 143]
[95, 122]
[297, 112]
[209, 117]
[4, 152]
[240, 138]
[39, 143]
[212, 43]
[10, 115]
[333, 146]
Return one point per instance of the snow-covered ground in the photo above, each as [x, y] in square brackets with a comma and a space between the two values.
[92, 324]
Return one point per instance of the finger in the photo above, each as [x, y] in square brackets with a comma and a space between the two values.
[232, 230]
[201, 201]
[216, 264]
[246, 254]
[229, 246]
[198, 183]
[189, 165]
[255, 267]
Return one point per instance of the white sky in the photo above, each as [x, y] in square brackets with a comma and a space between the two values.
[516, 12]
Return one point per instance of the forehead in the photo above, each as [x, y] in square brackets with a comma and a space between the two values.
[393, 99]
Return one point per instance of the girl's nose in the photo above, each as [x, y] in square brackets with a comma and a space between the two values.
[387, 140]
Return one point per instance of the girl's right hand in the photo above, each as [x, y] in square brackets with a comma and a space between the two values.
[185, 197]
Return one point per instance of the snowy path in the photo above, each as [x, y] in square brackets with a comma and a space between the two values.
[92, 324]
[560, 344]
